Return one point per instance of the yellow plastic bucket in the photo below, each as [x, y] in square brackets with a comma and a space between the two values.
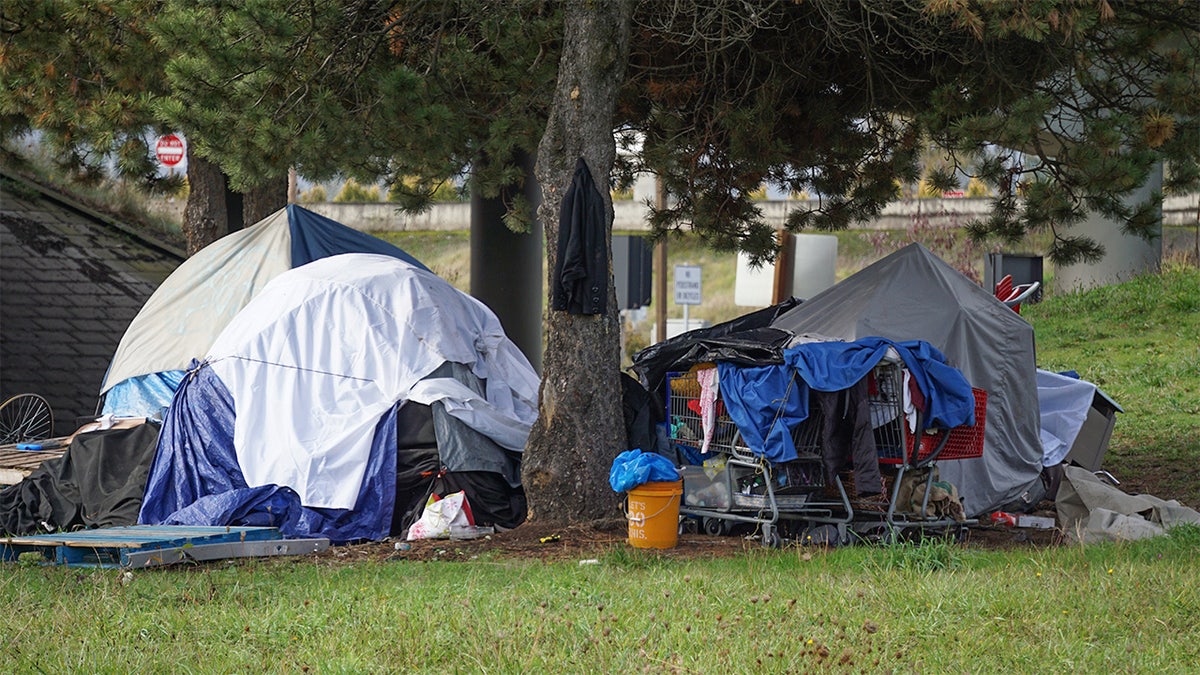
[653, 513]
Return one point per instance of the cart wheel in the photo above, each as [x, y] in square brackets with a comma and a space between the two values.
[715, 527]
[24, 418]
[771, 538]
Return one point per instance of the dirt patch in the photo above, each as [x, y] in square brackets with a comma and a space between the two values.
[537, 541]
[533, 541]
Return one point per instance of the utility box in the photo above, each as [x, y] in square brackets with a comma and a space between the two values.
[1025, 269]
[633, 264]
[813, 269]
[1092, 441]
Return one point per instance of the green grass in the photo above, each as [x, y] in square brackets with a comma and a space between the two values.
[447, 254]
[1128, 607]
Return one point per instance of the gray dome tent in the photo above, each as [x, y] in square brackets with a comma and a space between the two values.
[914, 295]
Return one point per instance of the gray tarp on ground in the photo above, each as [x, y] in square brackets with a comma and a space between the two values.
[1090, 510]
[914, 295]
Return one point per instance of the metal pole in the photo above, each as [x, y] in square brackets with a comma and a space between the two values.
[782, 288]
[660, 269]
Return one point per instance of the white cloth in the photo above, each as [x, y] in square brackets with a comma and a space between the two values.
[317, 358]
[1064, 403]
[910, 408]
[709, 389]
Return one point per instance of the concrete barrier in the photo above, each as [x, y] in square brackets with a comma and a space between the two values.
[631, 216]
[386, 217]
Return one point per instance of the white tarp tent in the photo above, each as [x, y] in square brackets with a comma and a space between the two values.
[325, 350]
[293, 417]
[181, 319]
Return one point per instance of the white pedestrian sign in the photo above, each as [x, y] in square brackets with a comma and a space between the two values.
[687, 290]
[687, 285]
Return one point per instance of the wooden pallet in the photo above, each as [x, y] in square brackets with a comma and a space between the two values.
[16, 465]
[151, 545]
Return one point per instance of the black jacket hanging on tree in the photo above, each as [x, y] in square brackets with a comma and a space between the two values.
[581, 270]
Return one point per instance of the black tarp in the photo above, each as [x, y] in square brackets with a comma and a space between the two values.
[420, 471]
[416, 469]
[439, 453]
[643, 412]
[493, 501]
[98, 482]
[746, 340]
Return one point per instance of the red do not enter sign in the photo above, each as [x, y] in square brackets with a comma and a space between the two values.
[169, 150]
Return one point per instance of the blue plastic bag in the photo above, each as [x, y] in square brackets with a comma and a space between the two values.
[634, 467]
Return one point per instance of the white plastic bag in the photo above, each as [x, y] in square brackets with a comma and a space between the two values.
[440, 515]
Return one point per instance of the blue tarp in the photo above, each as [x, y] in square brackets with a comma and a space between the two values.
[768, 402]
[142, 396]
[314, 237]
[196, 480]
[766, 405]
[833, 366]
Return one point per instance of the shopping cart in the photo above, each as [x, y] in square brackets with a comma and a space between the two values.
[908, 460]
[732, 485]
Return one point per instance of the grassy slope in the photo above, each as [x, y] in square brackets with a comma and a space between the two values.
[1140, 342]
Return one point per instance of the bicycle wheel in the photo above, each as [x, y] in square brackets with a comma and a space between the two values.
[24, 418]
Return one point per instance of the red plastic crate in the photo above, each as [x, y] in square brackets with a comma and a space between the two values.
[966, 442]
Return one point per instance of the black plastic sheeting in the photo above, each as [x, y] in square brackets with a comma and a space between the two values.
[493, 501]
[747, 340]
[98, 482]
[438, 453]
[643, 412]
[421, 471]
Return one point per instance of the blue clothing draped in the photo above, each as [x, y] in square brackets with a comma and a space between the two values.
[768, 402]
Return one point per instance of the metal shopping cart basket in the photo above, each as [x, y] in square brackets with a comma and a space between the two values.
[908, 460]
[731, 484]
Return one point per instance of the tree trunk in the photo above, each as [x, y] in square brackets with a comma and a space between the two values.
[204, 217]
[263, 200]
[579, 428]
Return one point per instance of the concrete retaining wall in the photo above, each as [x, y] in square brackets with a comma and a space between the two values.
[385, 217]
[631, 216]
